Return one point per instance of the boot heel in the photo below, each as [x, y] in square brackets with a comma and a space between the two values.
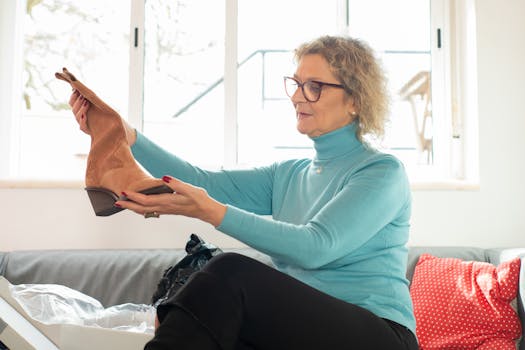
[103, 201]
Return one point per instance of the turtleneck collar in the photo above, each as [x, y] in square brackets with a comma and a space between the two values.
[336, 143]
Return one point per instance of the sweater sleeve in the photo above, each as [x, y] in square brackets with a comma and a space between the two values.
[250, 190]
[373, 199]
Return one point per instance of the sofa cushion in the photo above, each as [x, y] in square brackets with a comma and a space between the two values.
[465, 304]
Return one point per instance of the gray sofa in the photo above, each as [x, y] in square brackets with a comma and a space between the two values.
[121, 276]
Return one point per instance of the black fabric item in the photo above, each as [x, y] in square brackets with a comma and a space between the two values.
[174, 277]
[244, 304]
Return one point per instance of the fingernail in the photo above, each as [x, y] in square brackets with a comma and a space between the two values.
[166, 179]
[124, 194]
[85, 103]
[117, 205]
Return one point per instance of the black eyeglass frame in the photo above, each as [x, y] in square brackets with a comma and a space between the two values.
[321, 84]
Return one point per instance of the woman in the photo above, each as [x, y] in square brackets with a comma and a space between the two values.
[338, 231]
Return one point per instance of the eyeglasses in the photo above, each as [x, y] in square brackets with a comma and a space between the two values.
[311, 89]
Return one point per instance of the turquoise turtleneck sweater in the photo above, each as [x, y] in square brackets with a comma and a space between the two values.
[339, 222]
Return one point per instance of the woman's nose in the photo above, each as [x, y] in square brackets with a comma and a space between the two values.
[298, 96]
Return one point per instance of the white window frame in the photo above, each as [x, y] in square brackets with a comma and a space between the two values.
[455, 162]
[10, 33]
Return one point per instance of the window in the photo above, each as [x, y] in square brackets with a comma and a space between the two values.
[204, 78]
[404, 33]
[92, 40]
[183, 77]
[266, 118]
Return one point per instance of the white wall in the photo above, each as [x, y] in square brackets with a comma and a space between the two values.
[63, 218]
[494, 215]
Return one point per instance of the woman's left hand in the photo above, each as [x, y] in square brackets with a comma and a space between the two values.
[186, 199]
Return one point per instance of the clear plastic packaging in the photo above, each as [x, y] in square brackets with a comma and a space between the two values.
[57, 304]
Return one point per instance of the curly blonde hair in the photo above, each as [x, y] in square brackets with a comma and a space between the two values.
[354, 64]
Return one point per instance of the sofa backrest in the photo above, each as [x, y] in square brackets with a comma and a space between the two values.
[493, 256]
[111, 276]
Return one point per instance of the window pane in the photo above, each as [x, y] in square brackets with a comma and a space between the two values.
[391, 25]
[266, 122]
[409, 132]
[91, 40]
[400, 33]
[183, 90]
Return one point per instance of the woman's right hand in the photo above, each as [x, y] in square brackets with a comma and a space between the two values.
[80, 107]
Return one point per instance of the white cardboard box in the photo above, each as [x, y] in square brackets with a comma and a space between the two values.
[18, 331]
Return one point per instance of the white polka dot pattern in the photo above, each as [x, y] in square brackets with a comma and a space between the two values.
[465, 304]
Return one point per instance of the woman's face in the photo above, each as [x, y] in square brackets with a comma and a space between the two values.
[334, 108]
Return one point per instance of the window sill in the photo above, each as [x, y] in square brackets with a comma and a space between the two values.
[445, 185]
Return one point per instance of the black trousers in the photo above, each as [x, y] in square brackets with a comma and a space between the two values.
[236, 302]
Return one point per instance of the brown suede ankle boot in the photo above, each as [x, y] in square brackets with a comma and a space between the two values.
[111, 168]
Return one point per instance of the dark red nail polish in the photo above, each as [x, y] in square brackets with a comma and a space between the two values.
[166, 179]
[124, 194]
[117, 205]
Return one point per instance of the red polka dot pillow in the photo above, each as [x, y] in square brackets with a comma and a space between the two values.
[465, 304]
